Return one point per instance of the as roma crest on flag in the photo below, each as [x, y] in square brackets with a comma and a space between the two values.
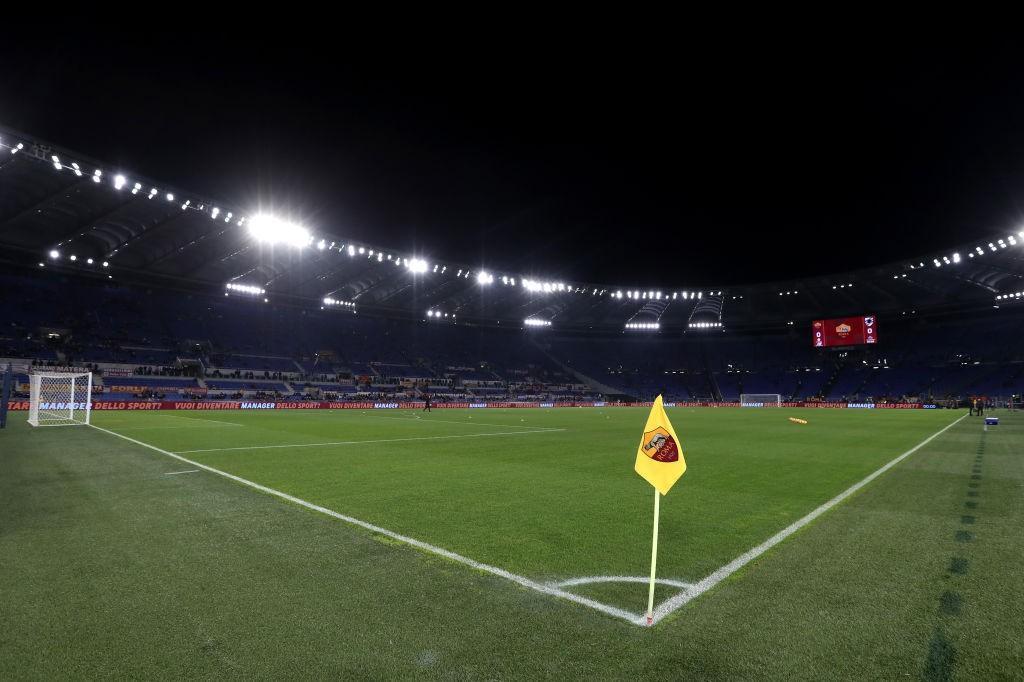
[661, 446]
[659, 458]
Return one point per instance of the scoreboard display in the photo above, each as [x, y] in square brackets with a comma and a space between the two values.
[845, 331]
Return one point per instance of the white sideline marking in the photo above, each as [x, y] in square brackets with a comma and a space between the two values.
[186, 471]
[360, 442]
[419, 544]
[670, 605]
[666, 608]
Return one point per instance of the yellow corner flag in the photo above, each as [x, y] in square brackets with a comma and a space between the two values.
[659, 459]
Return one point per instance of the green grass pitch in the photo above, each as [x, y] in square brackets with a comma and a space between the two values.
[112, 563]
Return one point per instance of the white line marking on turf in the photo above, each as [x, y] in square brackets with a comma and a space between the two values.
[663, 610]
[634, 618]
[645, 579]
[186, 471]
[360, 442]
[465, 423]
[670, 605]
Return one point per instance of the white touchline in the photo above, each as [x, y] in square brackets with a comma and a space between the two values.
[186, 471]
[667, 607]
[361, 442]
[419, 544]
[670, 605]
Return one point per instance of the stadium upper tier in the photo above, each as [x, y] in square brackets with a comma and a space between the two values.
[60, 211]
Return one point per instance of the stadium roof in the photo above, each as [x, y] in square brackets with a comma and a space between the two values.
[60, 210]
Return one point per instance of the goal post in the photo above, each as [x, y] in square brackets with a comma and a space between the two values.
[760, 400]
[60, 398]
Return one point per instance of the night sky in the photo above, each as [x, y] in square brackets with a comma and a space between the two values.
[592, 160]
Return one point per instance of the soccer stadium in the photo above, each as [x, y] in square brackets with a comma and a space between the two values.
[291, 449]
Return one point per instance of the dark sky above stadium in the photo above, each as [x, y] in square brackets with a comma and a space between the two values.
[603, 159]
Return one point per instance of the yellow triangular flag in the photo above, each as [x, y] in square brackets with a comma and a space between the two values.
[659, 459]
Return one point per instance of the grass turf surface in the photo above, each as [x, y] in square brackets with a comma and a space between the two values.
[110, 566]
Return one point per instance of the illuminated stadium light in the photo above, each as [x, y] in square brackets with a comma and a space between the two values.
[56, 162]
[89, 261]
[78, 171]
[321, 245]
[956, 257]
[214, 213]
[97, 175]
[643, 326]
[17, 148]
[362, 250]
[245, 289]
[706, 325]
[417, 266]
[55, 254]
[484, 277]
[351, 250]
[74, 257]
[106, 264]
[227, 218]
[136, 187]
[536, 322]
[271, 230]
[336, 302]
[186, 204]
[152, 192]
[119, 181]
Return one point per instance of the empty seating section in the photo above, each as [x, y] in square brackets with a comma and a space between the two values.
[239, 345]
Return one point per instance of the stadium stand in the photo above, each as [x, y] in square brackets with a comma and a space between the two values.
[164, 306]
[974, 357]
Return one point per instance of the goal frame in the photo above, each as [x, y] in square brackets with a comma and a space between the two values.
[760, 400]
[60, 398]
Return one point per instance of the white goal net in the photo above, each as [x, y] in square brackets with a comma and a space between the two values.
[760, 400]
[60, 398]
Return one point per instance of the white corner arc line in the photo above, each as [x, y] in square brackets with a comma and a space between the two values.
[674, 603]
[636, 619]
[591, 579]
[362, 442]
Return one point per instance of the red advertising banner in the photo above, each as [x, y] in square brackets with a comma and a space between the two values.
[844, 331]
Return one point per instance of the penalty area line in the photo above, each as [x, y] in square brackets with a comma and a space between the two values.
[362, 442]
[675, 603]
[550, 590]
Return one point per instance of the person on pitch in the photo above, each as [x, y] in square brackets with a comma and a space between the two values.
[426, 402]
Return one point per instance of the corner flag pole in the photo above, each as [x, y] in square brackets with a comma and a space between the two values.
[654, 557]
